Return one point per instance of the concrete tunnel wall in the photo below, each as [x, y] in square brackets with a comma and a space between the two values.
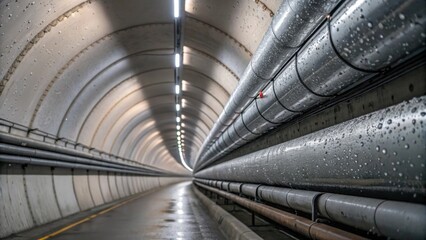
[31, 196]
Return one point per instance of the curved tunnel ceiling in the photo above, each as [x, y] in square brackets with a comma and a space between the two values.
[101, 72]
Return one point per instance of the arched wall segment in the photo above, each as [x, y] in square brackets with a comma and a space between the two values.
[86, 64]
[133, 116]
[210, 66]
[195, 79]
[120, 97]
[132, 92]
[244, 21]
[64, 40]
[145, 139]
[62, 181]
[105, 187]
[146, 149]
[50, 54]
[125, 86]
[128, 142]
[148, 105]
[147, 116]
[140, 141]
[125, 126]
[98, 87]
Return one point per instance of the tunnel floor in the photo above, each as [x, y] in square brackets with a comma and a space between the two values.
[172, 212]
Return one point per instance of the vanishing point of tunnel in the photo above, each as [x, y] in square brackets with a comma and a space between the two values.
[212, 119]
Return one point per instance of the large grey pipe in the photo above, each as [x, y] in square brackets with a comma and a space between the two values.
[397, 220]
[382, 153]
[364, 37]
[294, 21]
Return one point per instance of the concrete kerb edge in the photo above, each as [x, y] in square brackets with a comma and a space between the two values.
[231, 227]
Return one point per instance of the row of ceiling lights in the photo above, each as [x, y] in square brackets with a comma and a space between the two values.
[178, 92]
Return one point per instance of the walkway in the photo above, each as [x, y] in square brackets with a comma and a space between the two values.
[173, 212]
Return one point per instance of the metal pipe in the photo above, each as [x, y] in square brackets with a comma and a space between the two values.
[363, 39]
[30, 143]
[307, 228]
[382, 153]
[294, 21]
[397, 220]
[35, 153]
[53, 163]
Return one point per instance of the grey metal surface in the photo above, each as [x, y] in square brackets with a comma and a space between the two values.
[326, 66]
[379, 153]
[174, 213]
[397, 220]
[294, 22]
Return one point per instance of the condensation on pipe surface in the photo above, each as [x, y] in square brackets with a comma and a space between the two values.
[306, 227]
[362, 39]
[382, 153]
[294, 21]
[397, 220]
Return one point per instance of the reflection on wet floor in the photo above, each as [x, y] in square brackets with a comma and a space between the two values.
[172, 212]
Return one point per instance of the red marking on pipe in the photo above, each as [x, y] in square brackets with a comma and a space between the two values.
[260, 94]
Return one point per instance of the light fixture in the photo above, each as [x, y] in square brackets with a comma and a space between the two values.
[178, 133]
[178, 119]
[178, 127]
[177, 60]
[177, 89]
[178, 107]
[184, 162]
[176, 8]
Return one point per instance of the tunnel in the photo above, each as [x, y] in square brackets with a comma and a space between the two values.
[212, 119]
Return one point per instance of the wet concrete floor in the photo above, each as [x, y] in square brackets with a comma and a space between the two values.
[173, 212]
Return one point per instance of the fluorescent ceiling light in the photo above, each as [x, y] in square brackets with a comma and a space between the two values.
[178, 107]
[184, 162]
[177, 119]
[177, 89]
[176, 8]
[177, 60]
[178, 127]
